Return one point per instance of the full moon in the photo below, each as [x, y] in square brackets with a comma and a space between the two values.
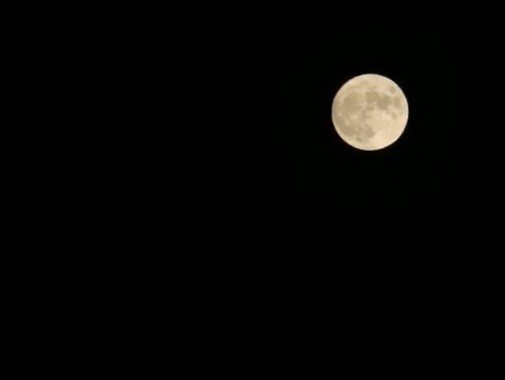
[370, 112]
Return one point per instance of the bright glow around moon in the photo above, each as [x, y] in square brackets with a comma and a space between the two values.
[370, 112]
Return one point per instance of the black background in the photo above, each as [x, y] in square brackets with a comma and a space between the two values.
[190, 159]
[237, 141]
[275, 199]
[218, 120]
[443, 172]
[197, 153]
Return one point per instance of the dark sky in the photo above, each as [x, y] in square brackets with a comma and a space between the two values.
[444, 169]
[256, 86]
[209, 140]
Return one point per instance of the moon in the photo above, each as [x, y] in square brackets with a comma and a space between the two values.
[370, 112]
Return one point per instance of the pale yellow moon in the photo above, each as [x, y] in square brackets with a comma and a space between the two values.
[370, 112]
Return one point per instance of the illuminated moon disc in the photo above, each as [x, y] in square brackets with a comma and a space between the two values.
[370, 112]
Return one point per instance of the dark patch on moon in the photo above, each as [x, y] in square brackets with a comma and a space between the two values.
[371, 97]
[351, 102]
[397, 102]
[382, 101]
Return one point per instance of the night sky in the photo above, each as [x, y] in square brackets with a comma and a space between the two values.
[444, 170]
[249, 146]
[191, 157]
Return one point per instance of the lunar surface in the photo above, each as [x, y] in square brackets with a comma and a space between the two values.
[370, 112]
